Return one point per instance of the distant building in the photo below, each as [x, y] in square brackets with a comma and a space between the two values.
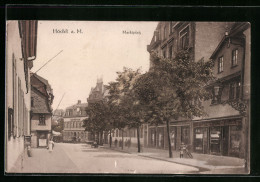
[73, 123]
[41, 111]
[21, 41]
[98, 93]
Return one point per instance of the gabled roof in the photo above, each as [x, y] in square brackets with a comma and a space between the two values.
[235, 29]
[44, 81]
[77, 105]
[39, 106]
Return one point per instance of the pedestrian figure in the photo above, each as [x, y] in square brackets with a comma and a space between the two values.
[120, 143]
[126, 143]
[116, 142]
[182, 149]
[129, 145]
[51, 144]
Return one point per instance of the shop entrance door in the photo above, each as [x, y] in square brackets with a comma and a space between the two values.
[225, 139]
[215, 138]
[205, 140]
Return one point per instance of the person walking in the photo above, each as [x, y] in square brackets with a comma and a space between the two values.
[51, 145]
[182, 149]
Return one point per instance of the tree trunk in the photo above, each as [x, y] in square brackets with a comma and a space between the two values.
[169, 139]
[138, 139]
[110, 139]
[122, 140]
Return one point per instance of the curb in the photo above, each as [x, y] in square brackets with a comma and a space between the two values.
[201, 169]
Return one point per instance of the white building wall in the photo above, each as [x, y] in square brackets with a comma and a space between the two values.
[14, 146]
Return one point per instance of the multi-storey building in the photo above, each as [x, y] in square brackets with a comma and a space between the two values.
[73, 123]
[21, 38]
[227, 43]
[41, 111]
[225, 129]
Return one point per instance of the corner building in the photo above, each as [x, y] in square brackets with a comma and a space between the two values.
[218, 132]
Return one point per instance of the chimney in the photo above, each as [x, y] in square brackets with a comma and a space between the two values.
[79, 101]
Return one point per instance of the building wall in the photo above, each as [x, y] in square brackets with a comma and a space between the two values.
[15, 145]
[207, 37]
[35, 123]
[72, 126]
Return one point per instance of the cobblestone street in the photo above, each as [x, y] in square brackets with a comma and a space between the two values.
[81, 158]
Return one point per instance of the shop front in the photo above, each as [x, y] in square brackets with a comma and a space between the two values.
[42, 138]
[220, 137]
[179, 133]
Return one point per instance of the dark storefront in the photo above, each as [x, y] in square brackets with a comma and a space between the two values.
[222, 137]
[157, 136]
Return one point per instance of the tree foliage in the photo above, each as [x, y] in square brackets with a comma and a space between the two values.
[175, 85]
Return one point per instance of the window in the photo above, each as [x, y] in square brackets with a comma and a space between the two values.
[184, 38]
[164, 33]
[42, 119]
[10, 122]
[234, 90]
[220, 64]
[32, 103]
[164, 53]
[170, 51]
[170, 27]
[234, 57]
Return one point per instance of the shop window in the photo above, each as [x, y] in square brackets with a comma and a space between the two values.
[234, 57]
[184, 38]
[185, 135]
[220, 64]
[42, 119]
[235, 140]
[172, 137]
[215, 136]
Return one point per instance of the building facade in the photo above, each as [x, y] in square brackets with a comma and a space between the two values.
[21, 38]
[222, 132]
[41, 111]
[73, 123]
[225, 130]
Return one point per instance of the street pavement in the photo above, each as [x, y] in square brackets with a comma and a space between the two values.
[81, 158]
[207, 164]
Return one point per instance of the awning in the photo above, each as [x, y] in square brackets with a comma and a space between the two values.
[55, 133]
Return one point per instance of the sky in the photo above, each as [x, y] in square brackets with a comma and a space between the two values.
[99, 50]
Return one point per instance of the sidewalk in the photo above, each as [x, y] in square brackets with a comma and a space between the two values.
[208, 164]
[43, 161]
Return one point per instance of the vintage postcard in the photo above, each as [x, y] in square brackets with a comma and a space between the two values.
[127, 97]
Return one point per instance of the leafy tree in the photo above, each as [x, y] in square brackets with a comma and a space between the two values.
[122, 97]
[173, 88]
[97, 117]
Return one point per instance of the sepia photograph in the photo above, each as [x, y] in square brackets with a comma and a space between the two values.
[127, 97]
